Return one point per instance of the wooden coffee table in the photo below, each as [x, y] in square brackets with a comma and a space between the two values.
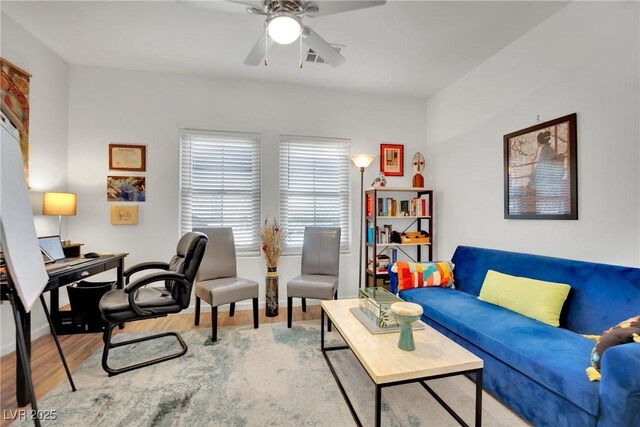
[435, 356]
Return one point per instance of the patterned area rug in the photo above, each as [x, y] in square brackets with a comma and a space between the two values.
[271, 376]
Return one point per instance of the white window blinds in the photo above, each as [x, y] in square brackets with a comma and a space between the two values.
[314, 187]
[220, 185]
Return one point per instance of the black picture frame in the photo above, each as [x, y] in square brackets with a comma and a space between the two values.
[541, 171]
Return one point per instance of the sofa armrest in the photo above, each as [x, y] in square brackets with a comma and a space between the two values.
[620, 386]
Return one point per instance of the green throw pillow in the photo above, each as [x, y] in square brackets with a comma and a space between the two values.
[536, 299]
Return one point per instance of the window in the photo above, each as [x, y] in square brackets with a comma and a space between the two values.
[314, 187]
[220, 185]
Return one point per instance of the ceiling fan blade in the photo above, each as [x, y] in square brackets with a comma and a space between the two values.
[321, 47]
[259, 50]
[331, 7]
[224, 6]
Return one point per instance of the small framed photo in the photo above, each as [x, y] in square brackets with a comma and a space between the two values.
[392, 159]
[123, 215]
[126, 189]
[540, 171]
[128, 157]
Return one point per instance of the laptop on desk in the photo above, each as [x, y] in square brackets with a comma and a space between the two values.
[53, 254]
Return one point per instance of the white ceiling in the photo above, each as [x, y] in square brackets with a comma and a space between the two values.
[409, 48]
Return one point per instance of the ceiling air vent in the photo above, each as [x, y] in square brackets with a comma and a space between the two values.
[315, 58]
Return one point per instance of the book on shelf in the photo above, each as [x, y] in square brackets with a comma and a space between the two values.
[387, 232]
[382, 263]
[418, 207]
[404, 207]
[388, 206]
[382, 234]
[369, 205]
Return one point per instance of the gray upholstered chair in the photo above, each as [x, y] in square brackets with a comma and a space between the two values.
[217, 282]
[320, 268]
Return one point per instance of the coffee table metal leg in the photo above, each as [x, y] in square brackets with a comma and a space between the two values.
[321, 329]
[378, 404]
[478, 397]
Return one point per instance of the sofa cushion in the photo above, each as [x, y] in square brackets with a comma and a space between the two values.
[553, 357]
[536, 299]
[420, 274]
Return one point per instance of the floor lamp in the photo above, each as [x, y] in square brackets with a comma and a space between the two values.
[361, 161]
[61, 204]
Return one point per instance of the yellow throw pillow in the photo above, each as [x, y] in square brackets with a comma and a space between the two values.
[536, 299]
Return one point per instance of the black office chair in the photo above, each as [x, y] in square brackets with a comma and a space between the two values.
[136, 302]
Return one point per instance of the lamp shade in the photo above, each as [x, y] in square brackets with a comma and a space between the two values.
[362, 160]
[59, 204]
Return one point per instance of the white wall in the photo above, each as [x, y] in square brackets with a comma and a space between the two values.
[108, 105]
[584, 59]
[49, 107]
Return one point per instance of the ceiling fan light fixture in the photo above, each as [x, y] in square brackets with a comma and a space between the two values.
[284, 28]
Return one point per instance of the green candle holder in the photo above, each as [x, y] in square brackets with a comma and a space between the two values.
[406, 313]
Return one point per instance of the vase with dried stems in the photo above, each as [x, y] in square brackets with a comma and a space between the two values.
[273, 239]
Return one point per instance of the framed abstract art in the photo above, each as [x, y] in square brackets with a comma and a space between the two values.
[392, 159]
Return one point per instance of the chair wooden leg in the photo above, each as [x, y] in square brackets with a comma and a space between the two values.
[255, 313]
[197, 319]
[214, 323]
[289, 311]
[232, 309]
[304, 305]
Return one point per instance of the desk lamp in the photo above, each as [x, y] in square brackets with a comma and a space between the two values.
[361, 161]
[59, 204]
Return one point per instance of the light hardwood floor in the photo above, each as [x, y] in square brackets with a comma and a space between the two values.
[47, 368]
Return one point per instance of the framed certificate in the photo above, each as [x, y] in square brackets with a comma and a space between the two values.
[127, 157]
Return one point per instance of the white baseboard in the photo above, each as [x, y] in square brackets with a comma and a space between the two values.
[41, 330]
[10, 346]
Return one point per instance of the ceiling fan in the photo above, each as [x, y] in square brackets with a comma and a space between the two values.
[283, 24]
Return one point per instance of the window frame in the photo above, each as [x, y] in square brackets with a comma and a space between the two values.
[346, 243]
[256, 212]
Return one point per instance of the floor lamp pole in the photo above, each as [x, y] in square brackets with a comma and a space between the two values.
[361, 225]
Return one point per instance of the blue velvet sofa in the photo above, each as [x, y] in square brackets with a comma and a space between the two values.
[536, 369]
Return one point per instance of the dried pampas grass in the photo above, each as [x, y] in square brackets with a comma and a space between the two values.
[273, 239]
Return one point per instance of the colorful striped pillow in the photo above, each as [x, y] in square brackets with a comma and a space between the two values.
[423, 274]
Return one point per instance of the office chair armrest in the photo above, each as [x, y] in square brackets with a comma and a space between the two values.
[153, 265]
[160, 276]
